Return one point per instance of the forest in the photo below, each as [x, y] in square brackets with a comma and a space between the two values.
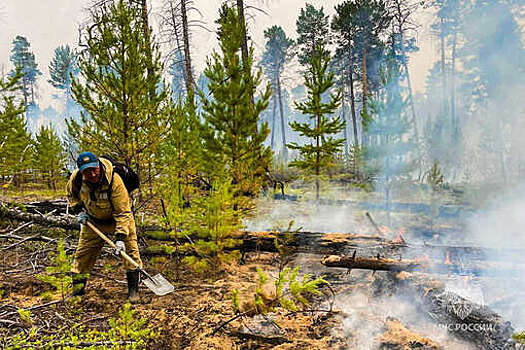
[299, 192]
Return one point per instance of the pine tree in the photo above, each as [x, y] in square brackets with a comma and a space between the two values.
[24, 60]
[277, 53]
[312, 27]
[181, 155]
[14, 141]
[388, 154]
[233, 138]
[62, 67]
[122, 117]
[318, 155]
[14, 138]
[49, 156]
[362, 22]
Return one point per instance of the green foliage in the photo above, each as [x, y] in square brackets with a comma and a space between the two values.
[14, 137]
[312, 28]
[58, 274]
[215, 221]
[318, 155]
[25, 63]
[49, 155]
[233, 137]
[278, 52]
[388, 128]
[180, 153]
[284, 243]
[120, 89]
[62, 67]
[290, 292]
[519, 337]
[25, 315]
[435, 177]
[126, 332]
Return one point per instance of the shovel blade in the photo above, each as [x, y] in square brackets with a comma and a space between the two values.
[158, 285]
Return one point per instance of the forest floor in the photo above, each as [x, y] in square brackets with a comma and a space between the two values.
[199, 314]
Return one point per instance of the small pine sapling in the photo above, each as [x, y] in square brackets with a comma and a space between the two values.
[519, 337]
[284, 243]
[58, 274]
[215, 221]
[287, 291]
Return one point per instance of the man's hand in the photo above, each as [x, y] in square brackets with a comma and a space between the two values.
[119, 247]
[82, 218]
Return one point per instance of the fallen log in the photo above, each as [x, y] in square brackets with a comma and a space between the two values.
[300, 242]
[379, 263]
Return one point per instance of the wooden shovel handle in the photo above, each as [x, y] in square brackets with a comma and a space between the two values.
[110, 242]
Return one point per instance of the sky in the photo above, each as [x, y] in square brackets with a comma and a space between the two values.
[48, 24]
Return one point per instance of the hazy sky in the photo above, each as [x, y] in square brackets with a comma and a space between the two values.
[50, 23]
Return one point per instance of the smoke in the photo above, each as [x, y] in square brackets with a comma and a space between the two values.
[501, 227]
[366, 322]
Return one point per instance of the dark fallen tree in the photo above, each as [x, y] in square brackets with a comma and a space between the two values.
[379, 263]
[298, 242]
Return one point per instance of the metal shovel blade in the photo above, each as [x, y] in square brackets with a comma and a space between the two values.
[158, 284]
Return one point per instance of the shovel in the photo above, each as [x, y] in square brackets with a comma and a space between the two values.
[157, 284]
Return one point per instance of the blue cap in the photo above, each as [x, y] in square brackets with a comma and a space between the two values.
[87, 160]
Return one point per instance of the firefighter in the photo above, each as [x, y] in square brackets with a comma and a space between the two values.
[102, 198]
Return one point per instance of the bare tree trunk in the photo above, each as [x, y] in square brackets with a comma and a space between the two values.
[283, 125]
[343, 109]
[365, 77]
[187, 57]
[244, 47]
[352, 102]
[274, 108]
[365, 95]
[443, 68]
[455, 124]
[177, 39]
[317, 157]
[147, 35]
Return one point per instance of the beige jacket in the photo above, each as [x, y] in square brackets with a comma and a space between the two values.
[99, 205]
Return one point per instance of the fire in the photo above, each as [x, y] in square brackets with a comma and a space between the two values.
[447, 259]
[385, 229]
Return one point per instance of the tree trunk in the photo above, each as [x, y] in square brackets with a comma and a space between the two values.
[343, 110]
[365, 77]
[409, 85]
[147, 35]
[364, 138]
[187, 57]
[443, 68]
[453, 117]
[283, 125]
[317, 157]
[274, 107]
[177, 39]
[244, 47]
[352, 102]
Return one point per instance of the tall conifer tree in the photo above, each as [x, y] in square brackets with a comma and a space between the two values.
[49, 155]
[233, 139]
[318, 155]
[121, 117]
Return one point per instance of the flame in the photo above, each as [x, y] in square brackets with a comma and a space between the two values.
[385, 229]
[447, 259]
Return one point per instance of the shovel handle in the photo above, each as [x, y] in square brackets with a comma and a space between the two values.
[110, 242]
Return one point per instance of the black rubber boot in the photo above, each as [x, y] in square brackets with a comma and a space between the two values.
[79, 286]
[133, 285]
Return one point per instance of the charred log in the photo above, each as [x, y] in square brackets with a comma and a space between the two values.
[379, 263]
